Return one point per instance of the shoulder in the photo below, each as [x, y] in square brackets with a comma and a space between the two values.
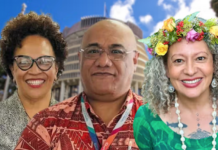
[144, 112]
[8, 106]
[143, 117]
[59, 110]
[142, 128]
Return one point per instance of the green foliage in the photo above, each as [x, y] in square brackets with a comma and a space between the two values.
[211, 22]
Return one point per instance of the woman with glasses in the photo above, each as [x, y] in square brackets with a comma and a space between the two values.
[32, 52]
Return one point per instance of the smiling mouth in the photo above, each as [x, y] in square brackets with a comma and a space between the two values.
[192, 81]
[35, 82]
[103, 74]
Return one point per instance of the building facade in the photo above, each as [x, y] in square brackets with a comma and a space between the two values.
[69, 84]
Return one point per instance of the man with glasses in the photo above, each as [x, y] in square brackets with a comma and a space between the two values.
[101, 117]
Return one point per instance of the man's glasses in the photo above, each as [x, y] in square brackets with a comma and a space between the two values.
[113, 53]
[44, 63]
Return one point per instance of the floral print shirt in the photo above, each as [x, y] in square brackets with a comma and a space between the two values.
[62, 127]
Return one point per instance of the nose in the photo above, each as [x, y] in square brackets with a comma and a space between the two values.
[34, 69]
[103, 60]
[190, 68]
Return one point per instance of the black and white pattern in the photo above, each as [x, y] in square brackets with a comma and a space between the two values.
[13, 119]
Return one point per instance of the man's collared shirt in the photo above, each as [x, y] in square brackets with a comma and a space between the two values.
[62, 127]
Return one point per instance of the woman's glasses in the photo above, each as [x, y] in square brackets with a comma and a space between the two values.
[44, 63]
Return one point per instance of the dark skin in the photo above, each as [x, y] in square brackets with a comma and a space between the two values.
[34, 99]
[106, 82]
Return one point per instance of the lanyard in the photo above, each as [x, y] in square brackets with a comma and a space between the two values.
[115, 131]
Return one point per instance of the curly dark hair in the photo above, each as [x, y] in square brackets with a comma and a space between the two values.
[31, 24]
[214, 6]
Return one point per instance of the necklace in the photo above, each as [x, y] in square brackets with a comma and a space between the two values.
[180, 125]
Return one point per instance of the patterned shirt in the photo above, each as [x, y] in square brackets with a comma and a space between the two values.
[62, 127]
[13, 119]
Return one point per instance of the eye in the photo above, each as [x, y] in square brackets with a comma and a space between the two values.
[178, 61]
[116, 51]
[23, 61]
[92, 51]
[201, 58]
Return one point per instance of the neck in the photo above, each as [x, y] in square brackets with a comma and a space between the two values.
[195, 104]
[107, 109]
[34, 105]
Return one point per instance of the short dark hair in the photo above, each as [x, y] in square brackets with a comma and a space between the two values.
[28, 24]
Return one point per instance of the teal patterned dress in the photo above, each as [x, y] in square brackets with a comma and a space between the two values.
[151, 133]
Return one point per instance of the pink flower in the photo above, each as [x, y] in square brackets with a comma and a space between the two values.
[192, 35]
[150, 50]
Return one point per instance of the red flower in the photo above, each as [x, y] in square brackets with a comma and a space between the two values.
[179, 39]
[179, 29]
[181, 23]
[201, 23]
[164, 33]
[201, 36]
[166, 43]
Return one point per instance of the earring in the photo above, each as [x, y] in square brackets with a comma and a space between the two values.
[214, 83]
[171, 89]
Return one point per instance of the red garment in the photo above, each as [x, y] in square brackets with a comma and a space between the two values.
[62, 127]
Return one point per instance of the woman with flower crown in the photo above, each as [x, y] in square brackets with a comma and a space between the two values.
[180, 87]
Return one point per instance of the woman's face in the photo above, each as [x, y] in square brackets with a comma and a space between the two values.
[34, 83]
[190, 68]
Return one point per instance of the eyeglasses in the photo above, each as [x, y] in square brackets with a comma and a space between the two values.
[113, 53]
[44, 63]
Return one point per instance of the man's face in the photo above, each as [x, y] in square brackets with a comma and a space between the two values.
[103, 75]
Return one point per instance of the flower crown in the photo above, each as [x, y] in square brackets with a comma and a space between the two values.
[173, 31]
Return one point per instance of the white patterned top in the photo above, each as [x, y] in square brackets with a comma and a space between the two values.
[13, 119]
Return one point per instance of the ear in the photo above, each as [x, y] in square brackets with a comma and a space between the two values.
[12, 70]
[79, 55]
[56, 72]
[135, 60]
[167, 71]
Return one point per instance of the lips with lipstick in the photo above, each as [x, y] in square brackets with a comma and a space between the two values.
[191, 83]
[35, 83]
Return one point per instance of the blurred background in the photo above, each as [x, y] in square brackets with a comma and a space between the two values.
[144, 17]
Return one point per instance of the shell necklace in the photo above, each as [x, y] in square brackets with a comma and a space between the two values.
[180, 125]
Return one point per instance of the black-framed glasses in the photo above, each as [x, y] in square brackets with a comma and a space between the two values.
[44, 63]
[113, 53]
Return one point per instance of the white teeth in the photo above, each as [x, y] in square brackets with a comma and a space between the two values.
[191, 82]
[35, 82]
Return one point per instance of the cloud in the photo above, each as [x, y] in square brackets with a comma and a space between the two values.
[160, 2]
[167, 6]
[123, 10]
[145, 19]
[196, 5]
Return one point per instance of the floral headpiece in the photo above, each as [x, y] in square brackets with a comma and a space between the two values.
[173, 31]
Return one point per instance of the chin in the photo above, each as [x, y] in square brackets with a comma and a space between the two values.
[103, 91]
[191, 95]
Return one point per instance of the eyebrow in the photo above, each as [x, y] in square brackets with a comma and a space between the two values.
[111, 46]
[116, 45]
[93, 44]
[184, 56]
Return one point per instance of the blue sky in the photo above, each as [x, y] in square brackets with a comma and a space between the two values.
[147, 14]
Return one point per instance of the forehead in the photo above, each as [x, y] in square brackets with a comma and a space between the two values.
[109, 34]
[187, 48]
[34, 46]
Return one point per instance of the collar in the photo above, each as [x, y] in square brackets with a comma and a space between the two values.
[123, 108]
